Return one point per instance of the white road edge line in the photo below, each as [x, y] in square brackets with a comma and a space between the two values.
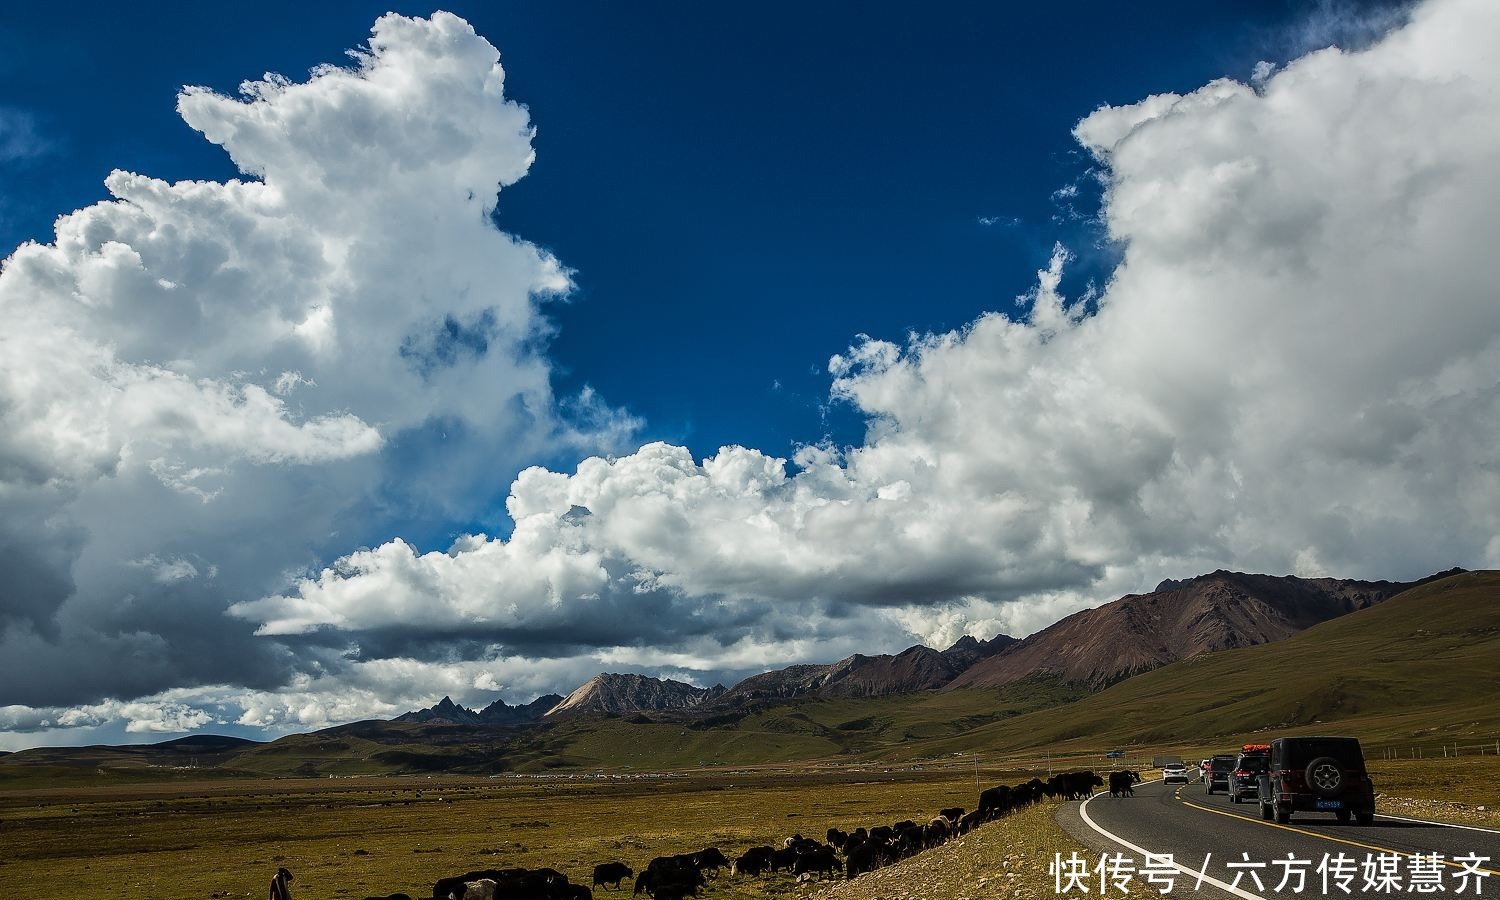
[1439, 824]
[1083, 812]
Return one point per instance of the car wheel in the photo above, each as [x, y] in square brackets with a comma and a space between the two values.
[1365, 818]
[1234, 798]
[1265, 812]
[1325, 776]
[1283, 816]
[1344, 816]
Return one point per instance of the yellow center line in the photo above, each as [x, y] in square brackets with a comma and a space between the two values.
[1222, 812]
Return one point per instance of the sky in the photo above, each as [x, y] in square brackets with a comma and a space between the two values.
[528, 342]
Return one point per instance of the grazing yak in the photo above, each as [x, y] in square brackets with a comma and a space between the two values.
[670, 882]
[710, 860]
[952, 813]
[1076, 785]
[611, 873]
[936, 832]
[994, 802]
[822, 861]
[677, 876]
[456, 886]
[863, 858]
[784, 858]
[910, 841]
[752, 862]
[483, 889]
[511, 884]
[1123, 782]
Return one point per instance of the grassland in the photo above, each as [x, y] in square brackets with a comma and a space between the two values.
[358, 836]
[351, 837]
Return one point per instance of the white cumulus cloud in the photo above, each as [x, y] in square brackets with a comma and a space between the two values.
[243, 377]
[1296, 364]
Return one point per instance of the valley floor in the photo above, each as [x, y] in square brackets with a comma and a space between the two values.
[355, 837]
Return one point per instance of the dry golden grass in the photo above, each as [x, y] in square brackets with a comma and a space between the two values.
[356, 837]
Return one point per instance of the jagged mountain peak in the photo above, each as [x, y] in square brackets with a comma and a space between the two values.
[610, 693]
[497, 713]
[917, 668]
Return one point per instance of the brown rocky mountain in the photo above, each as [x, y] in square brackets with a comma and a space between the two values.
[916, 668]
[967, 650]
[1139, 632]
[613, 695]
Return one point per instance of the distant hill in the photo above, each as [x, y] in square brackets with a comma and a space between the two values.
[1416, 665]
[445, 711]
[191, 755]
[916, 668]
[616, 694]
[197, 743]
[1179, 620]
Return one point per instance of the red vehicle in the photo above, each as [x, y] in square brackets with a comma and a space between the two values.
[1317, 774]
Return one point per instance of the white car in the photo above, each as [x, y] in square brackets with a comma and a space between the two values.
[1174, 772]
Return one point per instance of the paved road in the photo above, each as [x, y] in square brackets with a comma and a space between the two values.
[1184, 821]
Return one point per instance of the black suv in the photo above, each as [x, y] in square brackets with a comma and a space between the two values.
[1218, 772]
[1317, 774]
[1244, 781]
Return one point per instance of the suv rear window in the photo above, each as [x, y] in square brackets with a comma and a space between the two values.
[1252, 763]
[1222, 763]
[1298, 753]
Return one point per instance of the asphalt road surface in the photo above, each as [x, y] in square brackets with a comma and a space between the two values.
[1208, 833]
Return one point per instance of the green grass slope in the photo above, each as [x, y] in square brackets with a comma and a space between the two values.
[1421, 666]
[896, 727]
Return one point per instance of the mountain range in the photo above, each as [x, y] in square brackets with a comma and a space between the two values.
[1186, 664]
[1083, 653]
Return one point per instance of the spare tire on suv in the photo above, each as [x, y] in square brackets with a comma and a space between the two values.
[1324, 776]
[1317, 774]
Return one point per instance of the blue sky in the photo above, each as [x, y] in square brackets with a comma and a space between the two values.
[806, 172]
[316, 445]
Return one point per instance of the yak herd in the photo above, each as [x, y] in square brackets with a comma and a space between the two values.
[846, 853]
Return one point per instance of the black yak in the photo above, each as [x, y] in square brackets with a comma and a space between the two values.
[611, 873]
